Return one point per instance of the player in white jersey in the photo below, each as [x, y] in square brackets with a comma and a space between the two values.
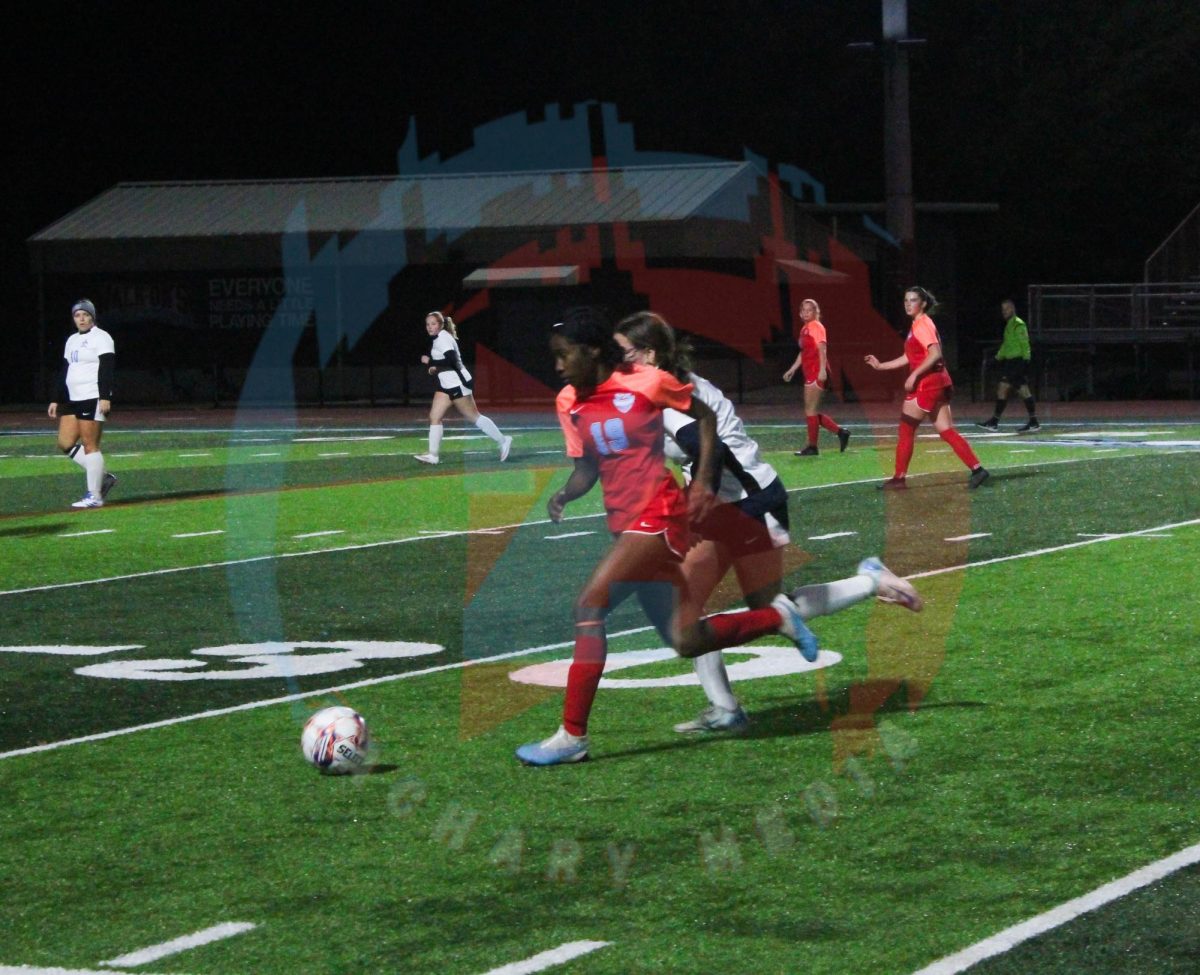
[747, 532]
[84, 398]
[455, 385]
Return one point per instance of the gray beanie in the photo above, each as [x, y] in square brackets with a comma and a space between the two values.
[84, 305]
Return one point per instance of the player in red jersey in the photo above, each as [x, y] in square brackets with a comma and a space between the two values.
[813, 360]
[611, 413]
[928, 390]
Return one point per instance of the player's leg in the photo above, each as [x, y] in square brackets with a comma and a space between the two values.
[466, 406]
[1002, 390]
[633, 558]
[911, 416]
[812, 421]
[943, 422]
[90, 432]
[437, 410]
[1026, 394]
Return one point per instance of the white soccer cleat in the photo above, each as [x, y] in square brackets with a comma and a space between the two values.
[560, 748]
[889, 587]
[715, 718]
[107, 485]
[426, 458]
[505, 447]
[89, 500]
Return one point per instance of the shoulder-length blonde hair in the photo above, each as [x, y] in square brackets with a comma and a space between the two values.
[445, 321]
[813, 302]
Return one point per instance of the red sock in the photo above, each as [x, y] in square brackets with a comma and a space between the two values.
[960, 447]
[584, 677]
[812, 422]
[828, 424]
[904, 446]
[734, 629]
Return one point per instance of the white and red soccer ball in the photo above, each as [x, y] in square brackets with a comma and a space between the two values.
[335, 741]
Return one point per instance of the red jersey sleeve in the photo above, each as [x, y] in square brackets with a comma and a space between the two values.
[660, 388]
[925, 332]
[817, 331]
[563, 404]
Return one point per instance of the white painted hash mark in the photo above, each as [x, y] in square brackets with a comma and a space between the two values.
[218, 932]
[39, 970]
[548, 959]
[1009, 938]
[331, 531]
[95, 531]
[215, 531]
[552, 538]
[821, 538]
[967, 538]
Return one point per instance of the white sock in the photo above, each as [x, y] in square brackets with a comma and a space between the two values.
[832, 597]
[93, 463]
[710, 668]
[76, 454]
[488, 427]
[435, 438]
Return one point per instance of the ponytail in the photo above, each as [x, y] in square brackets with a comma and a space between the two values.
[649, 330]
[446, 322]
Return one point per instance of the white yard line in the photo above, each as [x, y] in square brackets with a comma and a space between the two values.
[1009, 938]
[554, 538]
[40, 970]
[218, 932]
[549, 959]
[328, 531]
[528, 651]
[215, 531]
[421, 537]
[967, 538]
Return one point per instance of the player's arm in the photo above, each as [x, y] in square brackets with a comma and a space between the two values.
[787, 376]
[700, 493]
[60, 390]
[107, 373]
[582, 479]
[933, 355]
[823, 353]
[897, 363]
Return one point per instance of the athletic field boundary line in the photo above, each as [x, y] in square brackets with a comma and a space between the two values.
[1009, 938]
[509, 655]
[454, 532]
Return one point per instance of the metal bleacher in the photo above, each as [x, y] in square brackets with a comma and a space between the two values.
[1143, 336]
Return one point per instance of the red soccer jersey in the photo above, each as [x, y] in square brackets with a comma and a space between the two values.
[811, 336]
[620, 424]
[916, 347]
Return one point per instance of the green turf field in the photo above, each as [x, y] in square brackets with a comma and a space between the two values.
[935, 780]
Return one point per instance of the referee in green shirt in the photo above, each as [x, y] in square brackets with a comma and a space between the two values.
[1013, 360]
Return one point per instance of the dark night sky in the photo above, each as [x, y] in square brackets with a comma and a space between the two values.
[1078, 118]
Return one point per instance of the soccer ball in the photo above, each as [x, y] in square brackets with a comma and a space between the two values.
[335, 741]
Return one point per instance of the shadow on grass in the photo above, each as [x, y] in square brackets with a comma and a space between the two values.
[28, 531]
[791, 719]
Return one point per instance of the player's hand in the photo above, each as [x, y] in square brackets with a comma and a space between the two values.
[424, 360]
[52, 411]
[104, 406]
[910, 382]
[555, 506]
[701, 502]
[787, 376]
[432, 370]
[871, 361]
[822, 375]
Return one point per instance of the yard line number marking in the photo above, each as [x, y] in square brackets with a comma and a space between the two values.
[218, 932]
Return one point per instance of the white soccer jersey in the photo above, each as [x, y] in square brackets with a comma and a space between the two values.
[452, 373]
[82, 352]
[753, 472]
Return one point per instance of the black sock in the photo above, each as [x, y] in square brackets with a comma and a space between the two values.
[1031, 406]
[999, 408]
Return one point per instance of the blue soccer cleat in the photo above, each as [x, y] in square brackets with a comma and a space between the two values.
[792, 626]
[560, 748]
